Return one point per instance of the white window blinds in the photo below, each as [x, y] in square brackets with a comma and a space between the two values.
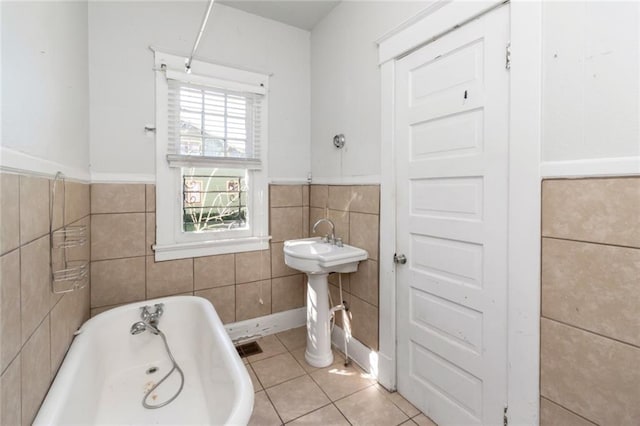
[210, 126]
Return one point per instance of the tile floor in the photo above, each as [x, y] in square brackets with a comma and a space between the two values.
[289, 391]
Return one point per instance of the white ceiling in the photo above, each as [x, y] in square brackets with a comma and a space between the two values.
[303, 14]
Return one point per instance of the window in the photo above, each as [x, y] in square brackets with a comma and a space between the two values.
[211, 174]
[214, 199]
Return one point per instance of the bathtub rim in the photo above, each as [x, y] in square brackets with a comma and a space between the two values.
[53, 403]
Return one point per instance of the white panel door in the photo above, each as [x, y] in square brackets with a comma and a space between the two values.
[452, 179]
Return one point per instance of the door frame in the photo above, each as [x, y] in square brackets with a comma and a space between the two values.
[523, 310]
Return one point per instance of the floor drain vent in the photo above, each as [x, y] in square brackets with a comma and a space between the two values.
[152, 370]
[248, 349]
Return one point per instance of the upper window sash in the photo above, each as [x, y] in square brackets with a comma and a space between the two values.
[213, 126]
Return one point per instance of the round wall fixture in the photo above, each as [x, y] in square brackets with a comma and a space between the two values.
[338, 140]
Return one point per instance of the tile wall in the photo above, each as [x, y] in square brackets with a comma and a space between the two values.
[123, 269]
[36, 326]
[240, 285]
[590, 325]
[355, 211]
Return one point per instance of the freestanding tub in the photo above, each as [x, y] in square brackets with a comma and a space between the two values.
[106, 372]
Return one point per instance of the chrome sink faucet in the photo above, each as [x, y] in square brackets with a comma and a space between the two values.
[329, 238]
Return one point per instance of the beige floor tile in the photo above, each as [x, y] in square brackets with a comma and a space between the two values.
[270, 346]
[297, 397]
[338, 381]
[408, 423]
[369, 407]
[423, 420]
[328, 415]
[294, 338]
[263, 412]
[257, 387]
[298, 354]
[277, 369]
[399, 401]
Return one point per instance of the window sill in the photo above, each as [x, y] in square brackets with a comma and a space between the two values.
[209, 248]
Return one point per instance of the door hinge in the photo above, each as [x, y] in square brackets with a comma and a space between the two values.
[507, 64]
[505, 418]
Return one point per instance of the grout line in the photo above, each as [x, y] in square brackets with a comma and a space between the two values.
[264, 389]
[125, 257]
[591, 332]
[121, 258]
[22, 345]
[565, 408]
[235, 292]
[590, 242]
[342, 414]
[310, 412]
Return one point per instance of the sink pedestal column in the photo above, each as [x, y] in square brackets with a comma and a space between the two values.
[318, 353]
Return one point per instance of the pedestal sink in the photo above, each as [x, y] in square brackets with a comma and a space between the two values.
[318, 259]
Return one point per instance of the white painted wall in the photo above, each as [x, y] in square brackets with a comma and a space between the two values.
[45, 89]
[345, 88]
[591, 81]
[122, 80]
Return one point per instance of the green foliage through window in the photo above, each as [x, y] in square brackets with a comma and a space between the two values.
[214, 199]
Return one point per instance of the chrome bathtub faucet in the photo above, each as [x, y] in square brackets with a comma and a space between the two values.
[152, 317]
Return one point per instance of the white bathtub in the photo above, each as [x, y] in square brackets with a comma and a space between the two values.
[104, 376]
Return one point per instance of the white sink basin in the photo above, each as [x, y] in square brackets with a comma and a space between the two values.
[313, 256]
[318, 259]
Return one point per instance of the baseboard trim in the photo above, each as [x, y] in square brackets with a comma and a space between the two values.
[252, 329]
[362, 355]
[602, 167]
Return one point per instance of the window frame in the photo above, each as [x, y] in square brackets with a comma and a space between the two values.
[171, 241]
